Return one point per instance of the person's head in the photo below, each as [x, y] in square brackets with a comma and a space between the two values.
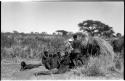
[54, 55]
[23, 64]
[58, 53]
[46, 53]
[75, 37]
[118, 35]
[66, 53]
[50, 55]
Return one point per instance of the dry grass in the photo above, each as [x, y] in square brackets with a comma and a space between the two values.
[95, 68]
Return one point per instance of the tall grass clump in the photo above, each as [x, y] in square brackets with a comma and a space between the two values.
[96, 67]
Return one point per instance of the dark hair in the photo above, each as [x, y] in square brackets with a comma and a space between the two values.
[58, 52]
[50, 55]
[23, 63]
[46, 53]
[54, 55]
[66, 53]
[75, 36]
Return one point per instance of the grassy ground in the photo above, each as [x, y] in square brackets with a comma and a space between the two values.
[15, 48]
[10, 71]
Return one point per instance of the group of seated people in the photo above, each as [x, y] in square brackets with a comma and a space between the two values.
[48, 60]
[67, 59]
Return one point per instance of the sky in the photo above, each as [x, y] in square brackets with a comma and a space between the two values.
[51, 16]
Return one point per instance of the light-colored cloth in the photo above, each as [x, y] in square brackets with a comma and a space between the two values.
[68, 46]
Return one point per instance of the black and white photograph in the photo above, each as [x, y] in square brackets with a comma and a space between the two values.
[62, 40]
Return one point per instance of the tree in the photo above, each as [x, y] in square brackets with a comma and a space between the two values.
[96, 27]
[54, 33]
[22, 33]
[32, 33]
[15, 32]
[36, 32]
[64, 33]
[70, 33]
[44, 33]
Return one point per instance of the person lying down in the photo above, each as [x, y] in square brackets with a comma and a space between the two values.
[25, 66]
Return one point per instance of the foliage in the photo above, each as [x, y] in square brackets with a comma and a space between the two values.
[30, 46]
[63, 32]
[96, 27]
[7, 41]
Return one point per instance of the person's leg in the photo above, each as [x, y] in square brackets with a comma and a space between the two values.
[77, 56]
[81, 58]
[75, 62]
[71, 64]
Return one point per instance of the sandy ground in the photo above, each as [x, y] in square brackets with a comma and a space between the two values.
[11, 71]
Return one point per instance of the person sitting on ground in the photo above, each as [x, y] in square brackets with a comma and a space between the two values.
[59, 54]
[45, 56]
